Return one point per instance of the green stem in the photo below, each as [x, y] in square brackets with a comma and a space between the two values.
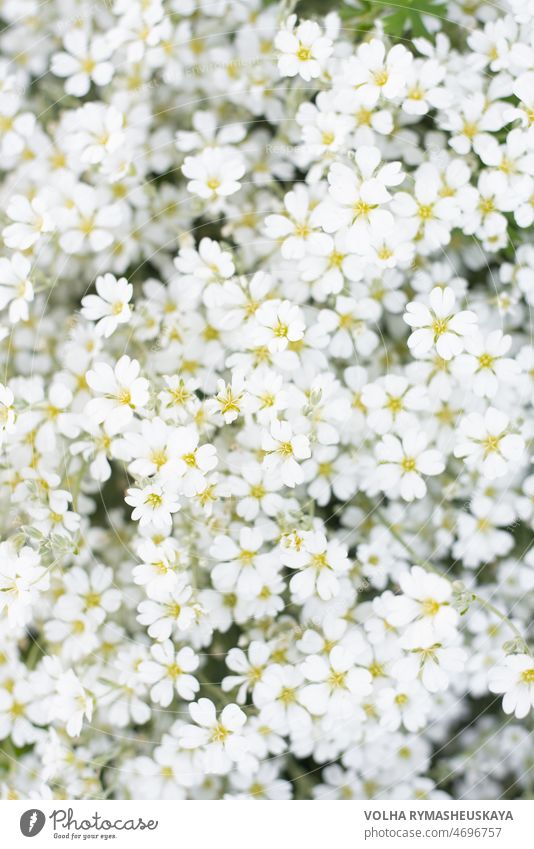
[33, 655]
[502, 616]
[74, 484]
[302, 782]
[9, 750]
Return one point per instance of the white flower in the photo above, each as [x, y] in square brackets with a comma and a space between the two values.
[231, 397]
[426, 602]
[22, 579]
[319, 563]
[338, 685]
[98, 132]
[18, 712]
[236, 566]
[83, 62]
[438, 325]
[72, 703]
[121, 391]
[152, 450]
[402, 464]
[15, 287]
[31, 220]
[214, 173]
[278, 696]
[280, 323]
[220, 739]
[377, 74]
[283, 451]
[110, 306]
[87, 224]
[298, 227]
[432, 663]
[514, 678]
[485, 364]
[356, 196]
[16, 129]
[153, 505]
[170, 671]
[392, 403]
[407, 704]
[7, 412]
[209, 263]
[486, 443]
[249, 668]
[304, 49]
[177, 609]
[431, 212]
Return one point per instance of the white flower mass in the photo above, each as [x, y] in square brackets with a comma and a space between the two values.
[266, 400]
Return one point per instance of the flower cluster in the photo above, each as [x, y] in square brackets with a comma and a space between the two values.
[266, 402]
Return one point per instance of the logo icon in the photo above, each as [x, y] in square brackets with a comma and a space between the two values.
[32, 822]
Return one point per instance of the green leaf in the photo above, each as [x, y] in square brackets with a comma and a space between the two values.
[407, 15]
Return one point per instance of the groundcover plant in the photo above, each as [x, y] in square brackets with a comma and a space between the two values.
[266, 394]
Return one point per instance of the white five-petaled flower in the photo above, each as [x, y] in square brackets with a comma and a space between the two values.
[220, 738]
[515, 679]
[168, 671]
[72, 702]
[110, 306]
[337, 687]
[304, 49]
[280, 323]
[153, 505]
[283, 449]
[83, 61]
[16, 289]
[214, 173]
[487, 443]
[424, 606]
[439, 325]
[402, 463]
[30, 219]
[22, 578]
[120, 391]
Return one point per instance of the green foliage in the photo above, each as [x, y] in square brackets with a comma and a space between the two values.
[404, 18]
[408, 15]
[401, 19]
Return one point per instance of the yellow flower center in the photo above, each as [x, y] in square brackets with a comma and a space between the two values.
[287, 696]
[219, 734]
[430, 607]
[425, 212]
[173, 670]
[154, 500]
[303, 53]
[337, 679]
[491, 443]
[439, 326]
[285, 449]
[486, 361]
[159, 458]
[380, 77]
[408, 464]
